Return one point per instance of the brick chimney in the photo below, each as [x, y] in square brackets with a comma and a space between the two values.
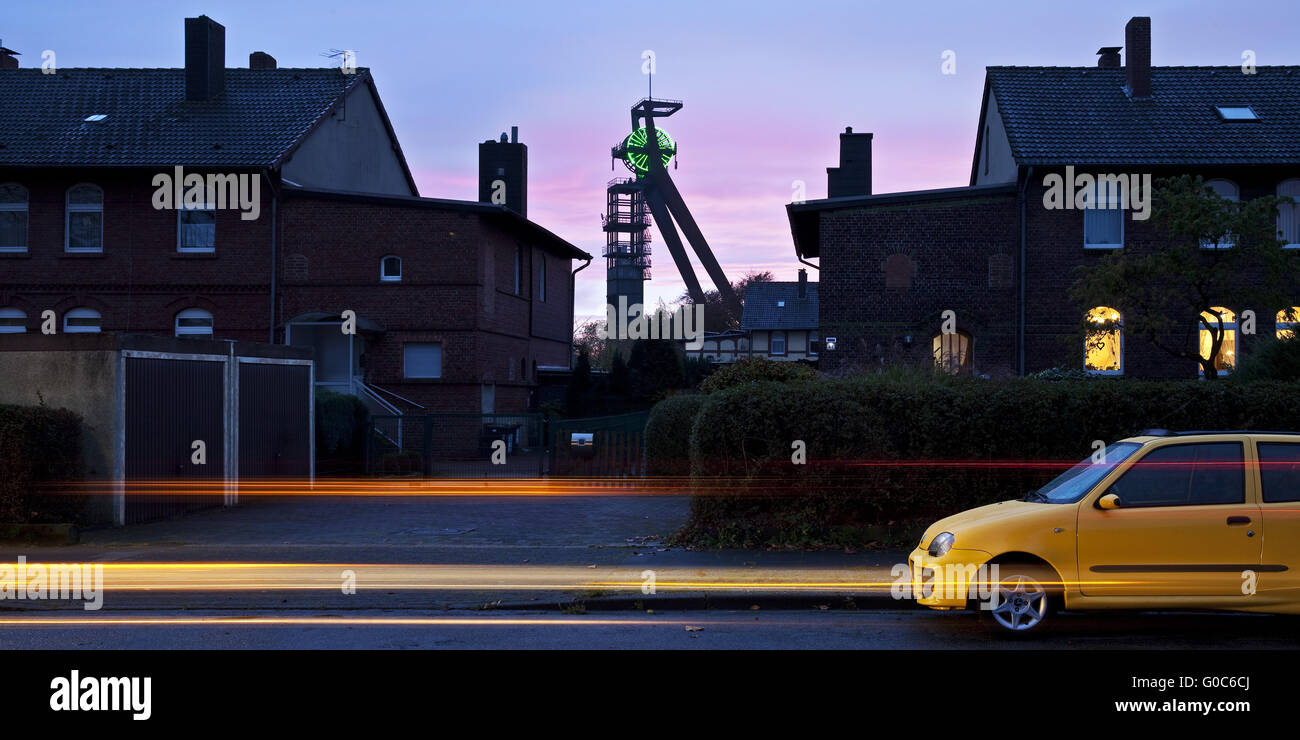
[1137, 68]
[803, 283]
[8, 58]
[261, 60]
[1108, 57]
[853, 176]
[205, 58]
[507, 161]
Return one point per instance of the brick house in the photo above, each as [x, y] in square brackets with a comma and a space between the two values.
[456, 303]
[995, 256]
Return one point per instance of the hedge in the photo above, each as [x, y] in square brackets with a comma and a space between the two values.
[340, 430]
[39, 446]
[897, 452]
[668, 435]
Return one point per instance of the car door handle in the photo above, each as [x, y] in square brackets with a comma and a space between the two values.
[1234, 520]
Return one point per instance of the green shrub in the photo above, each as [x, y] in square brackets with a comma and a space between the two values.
[39, 448]
[1270, 359]
[340, 426]
[885, 451]
[667, 435]
[755, 370]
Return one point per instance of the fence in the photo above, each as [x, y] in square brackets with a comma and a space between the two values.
[457, 445]
[603, 446]
[462, 446]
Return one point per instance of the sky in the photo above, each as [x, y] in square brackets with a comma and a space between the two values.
[767, 87]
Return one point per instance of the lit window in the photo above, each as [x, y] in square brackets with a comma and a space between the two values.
[422, 360]
[1286, 321]
[1104, 346]
[193, 322]
[1237, 113]
[1103, 220]
[1219, 318]
[390, 269]
[83, 226]
[13, 218]
[196, 229]
[1288, 214]
[12, 321]
[778, 343]
[952, 352]
[1228, 191]
[81, 321]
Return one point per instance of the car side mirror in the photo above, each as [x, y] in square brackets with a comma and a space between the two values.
[1109, 501]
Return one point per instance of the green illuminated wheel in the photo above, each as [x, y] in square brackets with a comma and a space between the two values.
[635, 152]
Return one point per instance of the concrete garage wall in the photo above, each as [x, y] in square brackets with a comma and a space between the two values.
[81, 377]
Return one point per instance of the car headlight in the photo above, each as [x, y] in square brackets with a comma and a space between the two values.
[941, 544]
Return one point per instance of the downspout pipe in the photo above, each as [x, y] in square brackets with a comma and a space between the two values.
[573, 294]
[275, 247]
[1024, 251]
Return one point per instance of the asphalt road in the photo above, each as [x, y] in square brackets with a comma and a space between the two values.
[682, 630]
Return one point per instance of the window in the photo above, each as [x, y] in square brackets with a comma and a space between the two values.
[1236, 113]
[1104, 347]
[777, 346]
[727, 349]
[1279, 471]
[1185, 475]
[390, 269]
[488, 402]
[1103, 219]
[1288, 214]
[1286, 321]
[541, 279]
[83, 226]
[519, 270]
[1217, 317]
[81, 321]
[1228, 191]
[422, 360]
[12, 321]
[952, 352]
[193, 322]
[196, 229]
[13, 218]
[813, 343]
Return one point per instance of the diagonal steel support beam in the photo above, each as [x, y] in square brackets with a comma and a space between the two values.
[669, 232]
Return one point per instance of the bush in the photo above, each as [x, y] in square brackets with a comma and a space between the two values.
[755, 370]
[668, 435]
[39, 446]
[888, 451]
[1271, 359]
[340, 427]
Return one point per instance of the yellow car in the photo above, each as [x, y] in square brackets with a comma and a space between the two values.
[1166, 520]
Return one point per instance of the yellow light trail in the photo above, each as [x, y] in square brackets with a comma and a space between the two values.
[237, 576]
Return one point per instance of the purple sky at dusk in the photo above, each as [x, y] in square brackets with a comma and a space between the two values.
[767, 86]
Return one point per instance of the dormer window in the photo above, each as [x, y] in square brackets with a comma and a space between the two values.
[1237, 113]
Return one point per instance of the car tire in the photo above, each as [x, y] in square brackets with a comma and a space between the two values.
[1024, 599]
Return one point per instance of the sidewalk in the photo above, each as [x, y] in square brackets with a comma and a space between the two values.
[573, 553]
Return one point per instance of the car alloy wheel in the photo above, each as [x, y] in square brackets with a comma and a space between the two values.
[1019, 603]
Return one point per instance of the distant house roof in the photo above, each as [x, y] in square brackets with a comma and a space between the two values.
[497, 213]
[764, 310]
[257, 122]
[1083, 116]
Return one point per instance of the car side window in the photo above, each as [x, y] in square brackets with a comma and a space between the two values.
[1194, 474]
[1279, 471]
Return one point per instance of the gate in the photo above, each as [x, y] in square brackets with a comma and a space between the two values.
[603, 446]
[169, 405]
[456, 445]
[275, 405]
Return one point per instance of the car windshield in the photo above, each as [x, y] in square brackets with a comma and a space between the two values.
[1071, 485]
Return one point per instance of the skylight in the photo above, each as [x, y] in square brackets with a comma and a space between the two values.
[96, 118]
[1237, 113]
